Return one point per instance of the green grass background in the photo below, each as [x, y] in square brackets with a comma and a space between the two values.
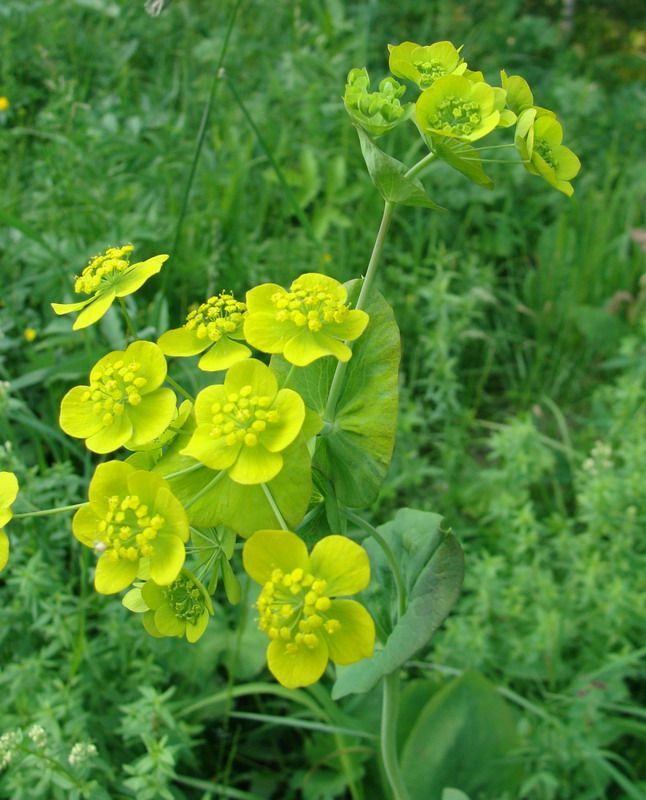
[523, 395]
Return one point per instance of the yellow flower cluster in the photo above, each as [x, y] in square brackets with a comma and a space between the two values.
[220, 315]
[102, 267]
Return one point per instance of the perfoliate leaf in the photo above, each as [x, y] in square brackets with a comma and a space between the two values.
[465, 159]
[389, 177]
[355, 453]
[432, 564]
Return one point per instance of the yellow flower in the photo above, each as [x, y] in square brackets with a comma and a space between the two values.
[539, 138]
[132, 517]
[29, 334]
[8, 494]
[213, 327]
[307, 322]
[425, 64]
[106, 277]
[245, 423]
[456, 107]
[4, 103]
[180, 609]
[298, 608]
[123, 405]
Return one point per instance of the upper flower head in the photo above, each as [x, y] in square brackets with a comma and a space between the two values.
[455, 106]
[106, 277]
[297, 610]
[376, 112]
[132, 515]
[8, 494]
[307, 322]
[123, 404]
[213, 327]
[424, 65]
[245, 423]
[538, 138]
[180, 609]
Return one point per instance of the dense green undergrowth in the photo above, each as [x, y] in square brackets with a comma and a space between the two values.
[523, 392]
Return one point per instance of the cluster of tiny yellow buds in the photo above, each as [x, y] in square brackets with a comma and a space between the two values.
[221, 314]
[127, 530]
[243, 417]
[311, 307]
[292, 606]
[115, 260]
[185, 598]
[430, 71]
[112, 387]
[456, 115]
[544, 150]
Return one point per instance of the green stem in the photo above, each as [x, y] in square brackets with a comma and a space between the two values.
[424, 162]
[390, 556]
[274, 507]
[203, 491]
[183, 471]
[339, 373]
[48, 511]
[129, 323]
[179, 389]
[389, 710]
[287, 190]
[201, 135]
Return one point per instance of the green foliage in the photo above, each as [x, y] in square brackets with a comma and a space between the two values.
[466, 736]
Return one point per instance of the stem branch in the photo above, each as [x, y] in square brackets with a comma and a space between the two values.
[48, 511]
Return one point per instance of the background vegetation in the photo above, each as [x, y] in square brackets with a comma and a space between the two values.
[523, 390]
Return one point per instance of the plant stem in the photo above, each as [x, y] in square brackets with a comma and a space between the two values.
[390, 556]
[389, 710]
[424, 162]
[129, 323]
[339, 374]
[201, 135]
[205, 489]
[274, 507]
[179, 389]
[48, 511]
[287, 190]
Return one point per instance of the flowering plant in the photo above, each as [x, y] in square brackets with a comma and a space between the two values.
[288, 442]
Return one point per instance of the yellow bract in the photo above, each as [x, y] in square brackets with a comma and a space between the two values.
[8, 494]
[106, 277]
[311, 320]
[298, 608]
[245, 423]
[132, 516]
[123, 405]
[214, 326]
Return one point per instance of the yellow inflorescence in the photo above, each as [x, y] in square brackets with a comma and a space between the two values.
[127, 530]
[311, 307]
[103, 267]
[242, 418]
[220, 315]
[114, 386]
[293, 606]
[456, 115]
[430, 71]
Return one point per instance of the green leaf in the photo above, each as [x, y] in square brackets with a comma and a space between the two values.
[465, 737]
[454, 794]
[244, 509]
[355, 453]
[432, 564]
[389, 177]
[467, 161]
